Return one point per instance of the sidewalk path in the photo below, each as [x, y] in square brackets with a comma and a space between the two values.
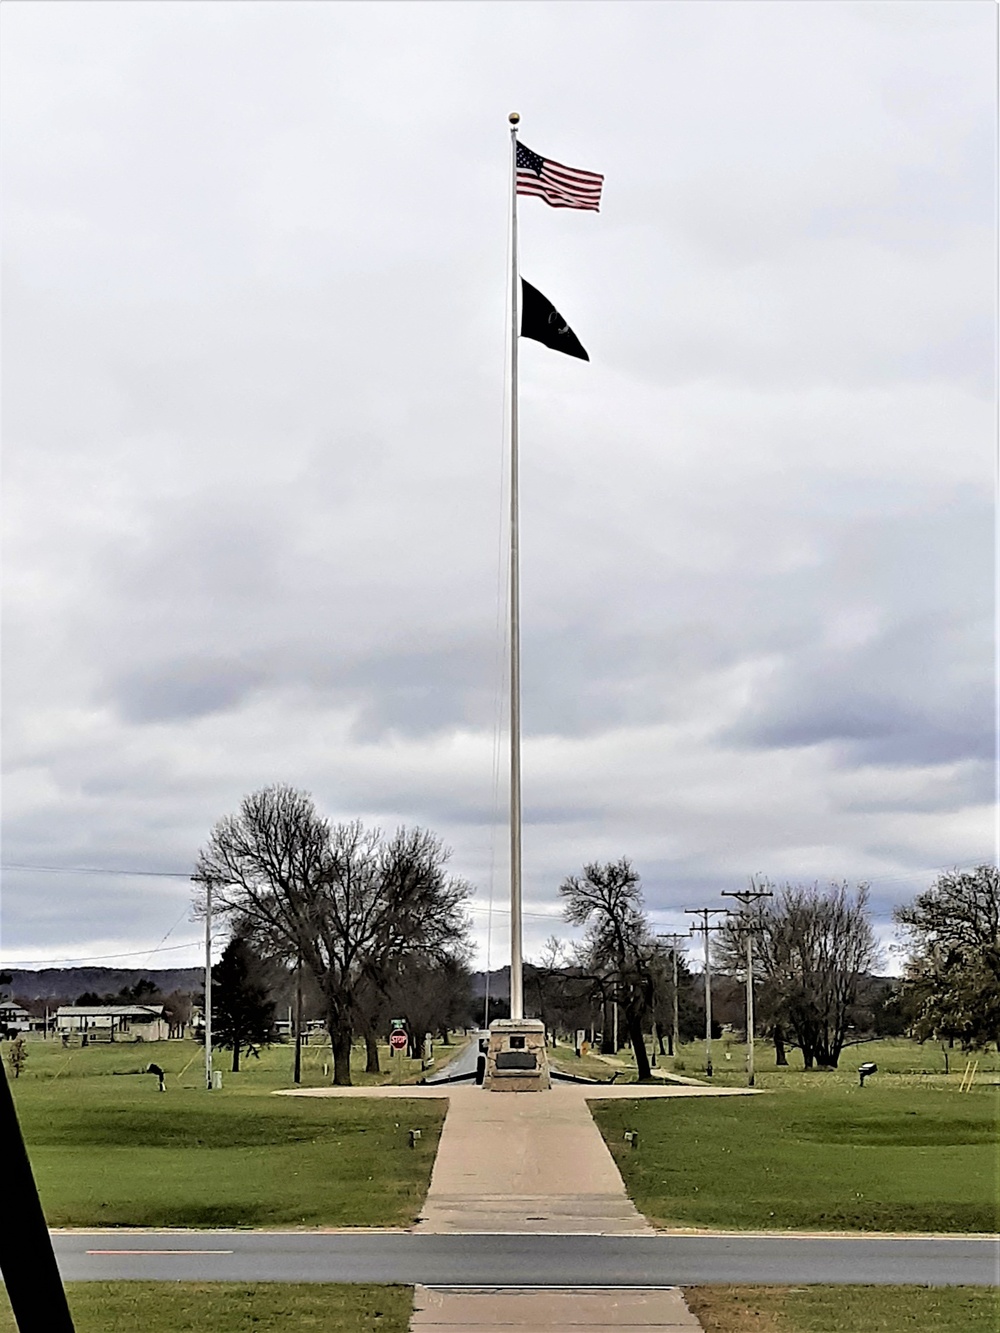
[456, 1310]
[510, 1162]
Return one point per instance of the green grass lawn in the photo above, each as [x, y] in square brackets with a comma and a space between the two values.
[109, 1150]
[845, 1309]
[184, 1064]
[897, 1058]
[233, 1307]
[898, 1156]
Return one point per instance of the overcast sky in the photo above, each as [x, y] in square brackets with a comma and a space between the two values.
[254, 322]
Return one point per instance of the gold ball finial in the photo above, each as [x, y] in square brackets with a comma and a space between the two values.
[514, 117]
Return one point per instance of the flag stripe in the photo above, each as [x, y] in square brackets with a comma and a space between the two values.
[555, 201]
[529, 184]
[570, 186]
[573, 173]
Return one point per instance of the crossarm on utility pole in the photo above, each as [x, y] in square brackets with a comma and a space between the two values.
[746, 897]
[674, 943]
[705, 928]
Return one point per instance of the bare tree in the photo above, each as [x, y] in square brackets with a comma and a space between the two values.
[348, 902]
[431, 994]
[607, 899]
[813, 953]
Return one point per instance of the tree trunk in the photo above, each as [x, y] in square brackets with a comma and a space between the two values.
[371, 1054]
[639, 1047]
[236, 1057]
[607, 1030]
[780, 1058]
[340, 1041]
[828, 1055]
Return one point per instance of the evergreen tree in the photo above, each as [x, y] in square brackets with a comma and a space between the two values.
[242, 1015]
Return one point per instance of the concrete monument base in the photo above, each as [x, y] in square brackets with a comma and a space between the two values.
[515, 1058]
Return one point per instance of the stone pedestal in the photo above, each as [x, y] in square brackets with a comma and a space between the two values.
[515, 1058]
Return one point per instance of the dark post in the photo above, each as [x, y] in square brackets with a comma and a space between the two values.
[297, 1076]
[27, 1259]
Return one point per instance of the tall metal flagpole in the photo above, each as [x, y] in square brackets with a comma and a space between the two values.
[208, 984]
[516, 984]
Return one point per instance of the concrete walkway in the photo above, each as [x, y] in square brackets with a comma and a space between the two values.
[517, 1162]
[596, 1310]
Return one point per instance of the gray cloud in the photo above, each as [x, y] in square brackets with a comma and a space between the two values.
[254, 319]
[183, 689]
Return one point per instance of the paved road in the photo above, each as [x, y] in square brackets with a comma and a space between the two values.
[463, 1063]
[520, 1261]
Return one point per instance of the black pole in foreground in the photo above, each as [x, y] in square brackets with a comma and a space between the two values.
[27, 1260]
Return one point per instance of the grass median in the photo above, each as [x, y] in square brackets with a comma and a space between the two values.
[827, 1157]
[234, 1307]
[109, 1149]
[829, 1309]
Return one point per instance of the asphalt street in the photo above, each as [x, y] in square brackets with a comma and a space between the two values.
[523, 1261]
[463, 1063]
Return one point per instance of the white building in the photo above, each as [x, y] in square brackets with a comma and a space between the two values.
[113, 1022]
[14, 1018]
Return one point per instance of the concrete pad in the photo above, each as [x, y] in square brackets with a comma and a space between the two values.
[585, 1091]
[632, 1091]
[544, 1310]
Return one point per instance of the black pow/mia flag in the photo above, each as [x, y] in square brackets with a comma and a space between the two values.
[542, 321]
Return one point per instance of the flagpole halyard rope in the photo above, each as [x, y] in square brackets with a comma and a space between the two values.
[499, 668]
[516, 986]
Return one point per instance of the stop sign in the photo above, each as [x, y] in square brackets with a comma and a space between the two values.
[398, 1040]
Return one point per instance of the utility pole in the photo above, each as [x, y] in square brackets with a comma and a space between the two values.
[208, 984]
[674, 943]
[746, 897]
[705, 928]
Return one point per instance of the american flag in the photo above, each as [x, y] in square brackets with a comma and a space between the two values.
[562, 187]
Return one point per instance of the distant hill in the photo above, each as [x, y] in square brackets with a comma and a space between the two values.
[64, 984]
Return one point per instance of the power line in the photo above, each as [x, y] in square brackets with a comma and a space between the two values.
[97, 870]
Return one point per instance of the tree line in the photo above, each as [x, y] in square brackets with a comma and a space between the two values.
[815, 961]
[373, 926]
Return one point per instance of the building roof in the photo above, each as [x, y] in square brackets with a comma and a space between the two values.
[141, 1011]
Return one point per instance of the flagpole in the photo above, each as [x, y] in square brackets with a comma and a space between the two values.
[516, 967]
